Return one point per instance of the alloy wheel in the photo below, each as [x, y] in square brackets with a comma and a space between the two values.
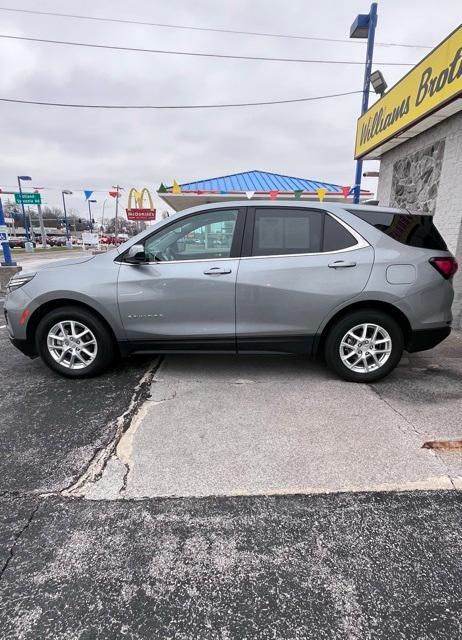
[72, 344]
[365, 348]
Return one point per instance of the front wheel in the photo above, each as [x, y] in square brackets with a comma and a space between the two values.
[364, 346]
[74, 342]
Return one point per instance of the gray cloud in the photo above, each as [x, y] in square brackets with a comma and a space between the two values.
[93, 149]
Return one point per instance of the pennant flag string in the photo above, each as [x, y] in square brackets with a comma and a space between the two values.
[249, 194]
[273, 194]
[162, 188]
[298, 193]
[113, 194]
[346, 191]
[87, 194]
[321, 193]
[176, 187]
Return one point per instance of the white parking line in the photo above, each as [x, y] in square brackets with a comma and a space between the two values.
[2, 326]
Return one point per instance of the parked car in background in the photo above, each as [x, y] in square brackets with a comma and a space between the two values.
[107, 239]
[17, 242]
[357, 284]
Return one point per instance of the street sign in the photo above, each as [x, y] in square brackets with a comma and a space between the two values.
[141, 214]
[89, 238]
[3, 233]
[28, 198]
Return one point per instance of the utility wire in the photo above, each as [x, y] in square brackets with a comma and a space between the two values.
[190, 106]
[202, 55]
[214, 30]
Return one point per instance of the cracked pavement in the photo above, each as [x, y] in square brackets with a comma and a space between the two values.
[226, 425]
[230, 498]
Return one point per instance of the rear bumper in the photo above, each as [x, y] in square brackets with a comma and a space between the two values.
[424, 339]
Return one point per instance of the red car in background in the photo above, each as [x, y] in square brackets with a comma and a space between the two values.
[112, 240]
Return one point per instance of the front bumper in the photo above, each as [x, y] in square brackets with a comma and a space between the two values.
[25, 347]
[424, 339]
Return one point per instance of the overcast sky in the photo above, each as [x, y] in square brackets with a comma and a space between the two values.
[80, 149]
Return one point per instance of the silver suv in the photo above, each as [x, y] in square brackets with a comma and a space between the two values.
[357, 284]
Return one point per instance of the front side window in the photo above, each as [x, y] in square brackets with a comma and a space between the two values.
[286, 231]
[203, 236]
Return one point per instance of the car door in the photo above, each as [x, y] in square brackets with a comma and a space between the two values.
[183, 297]
[297, 265]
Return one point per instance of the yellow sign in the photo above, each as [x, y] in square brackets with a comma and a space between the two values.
[139, 212]
[138, 196]
[428, 86]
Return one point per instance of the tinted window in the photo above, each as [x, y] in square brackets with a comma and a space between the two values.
[413, 230]
[199, 237]
[286, 231]
[336, 237]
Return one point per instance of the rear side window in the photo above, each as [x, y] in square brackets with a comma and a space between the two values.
[413, 230]
[336, 237]
[286, 231]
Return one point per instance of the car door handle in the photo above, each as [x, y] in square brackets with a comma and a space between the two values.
[341, 264]
[216, 271]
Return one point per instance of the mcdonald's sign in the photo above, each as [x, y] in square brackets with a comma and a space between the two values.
[139, 212]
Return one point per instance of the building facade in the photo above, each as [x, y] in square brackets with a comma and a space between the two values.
[416, 132]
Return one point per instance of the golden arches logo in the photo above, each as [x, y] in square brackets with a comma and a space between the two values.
[138, 197]
[139, 211]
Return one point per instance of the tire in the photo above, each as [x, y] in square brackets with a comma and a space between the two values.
[342, 347]
[96, 346]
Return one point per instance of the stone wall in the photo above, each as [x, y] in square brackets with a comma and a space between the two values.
[432, 163]
[416, 179]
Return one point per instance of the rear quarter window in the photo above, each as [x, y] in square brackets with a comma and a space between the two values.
[412, 230]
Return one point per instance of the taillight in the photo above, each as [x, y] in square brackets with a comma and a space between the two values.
[446, 266]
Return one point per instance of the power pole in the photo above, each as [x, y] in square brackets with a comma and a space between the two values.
[42, 226]
[118, 188]
[31, 226]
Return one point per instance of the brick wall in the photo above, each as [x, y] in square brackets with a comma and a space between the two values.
[448, 196]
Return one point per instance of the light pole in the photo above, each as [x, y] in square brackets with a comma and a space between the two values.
[364, 27]
[29, 246]
[66, 192]
[89, 213]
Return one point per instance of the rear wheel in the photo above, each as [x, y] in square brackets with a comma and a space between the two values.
[364, 346]
[74, 342]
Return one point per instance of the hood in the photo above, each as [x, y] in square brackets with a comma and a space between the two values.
[64, 263]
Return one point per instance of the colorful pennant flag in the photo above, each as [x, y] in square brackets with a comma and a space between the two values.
[113, 194]
[176, 187]
[298, 193]
[249, 194]
[162, 188]
[346, 191]
[87, 194]
[321, 193]
[273, 194]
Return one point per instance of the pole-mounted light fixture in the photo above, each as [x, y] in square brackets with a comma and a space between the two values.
[378, 82]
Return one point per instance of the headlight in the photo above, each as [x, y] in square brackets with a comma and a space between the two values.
[18, 281]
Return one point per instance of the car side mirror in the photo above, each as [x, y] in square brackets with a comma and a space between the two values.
[136, 254]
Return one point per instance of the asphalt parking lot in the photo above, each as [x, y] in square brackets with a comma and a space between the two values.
[224, 497]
